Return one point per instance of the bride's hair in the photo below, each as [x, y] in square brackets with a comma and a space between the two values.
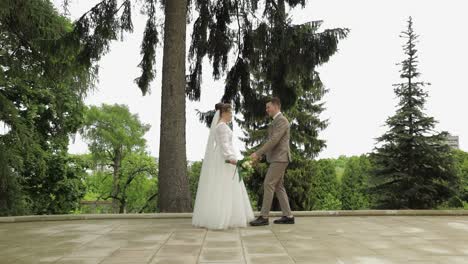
[223, 108]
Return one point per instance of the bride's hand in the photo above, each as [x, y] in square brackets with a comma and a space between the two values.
[233, 162]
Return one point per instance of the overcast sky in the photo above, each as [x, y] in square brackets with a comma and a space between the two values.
[359, 77]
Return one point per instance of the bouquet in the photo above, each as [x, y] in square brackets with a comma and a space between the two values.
[244, 167]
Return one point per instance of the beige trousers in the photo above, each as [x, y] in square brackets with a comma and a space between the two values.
[274, 183]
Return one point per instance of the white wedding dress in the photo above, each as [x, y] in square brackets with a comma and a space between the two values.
[222, 201]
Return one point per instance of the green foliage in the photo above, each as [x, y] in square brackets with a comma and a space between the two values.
[115, 139]
[112, 129]
[355, 184]
[148, 49]
[455, 202]
[62, 189]
[42, 86]
[311, 185]
[278, 55]
[340, 165]
[138, 184]
[194, 171]
[325, 191]
[415, 166]
[12, 198]
[106, 22]
[461, 166]
[315, 185]
[98, 185]
[297, 183]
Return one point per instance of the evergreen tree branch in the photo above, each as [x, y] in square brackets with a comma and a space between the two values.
[148, 201]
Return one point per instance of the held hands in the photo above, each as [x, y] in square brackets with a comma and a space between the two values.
[254, 156]
[233, 162]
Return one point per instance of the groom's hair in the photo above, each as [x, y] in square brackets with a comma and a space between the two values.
[275, 101]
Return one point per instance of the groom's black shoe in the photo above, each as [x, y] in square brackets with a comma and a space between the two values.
[260, 221]
[285, 220]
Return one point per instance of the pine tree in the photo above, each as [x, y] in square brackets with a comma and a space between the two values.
[414, 164]
[272, 57]
[278, 56]
[108, 20]
[174, 189]
[310, 48]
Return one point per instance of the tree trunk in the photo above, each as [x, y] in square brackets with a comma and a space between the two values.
[116, 181]
[122, 209]
[174, 192]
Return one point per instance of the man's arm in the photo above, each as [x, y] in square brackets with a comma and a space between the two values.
[278, 131]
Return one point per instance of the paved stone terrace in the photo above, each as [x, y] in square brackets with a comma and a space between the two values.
[322, 240]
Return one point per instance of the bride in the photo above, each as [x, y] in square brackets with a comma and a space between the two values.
[222, 201]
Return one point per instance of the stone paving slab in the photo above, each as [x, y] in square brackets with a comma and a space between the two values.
[322, 240]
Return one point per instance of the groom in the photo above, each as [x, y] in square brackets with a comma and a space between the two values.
[278, 155]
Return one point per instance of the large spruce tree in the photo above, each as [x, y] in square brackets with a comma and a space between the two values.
[414, 164]
[272, 57]
[269, 54]
[174, 189]
[270, 51]
[110, 19]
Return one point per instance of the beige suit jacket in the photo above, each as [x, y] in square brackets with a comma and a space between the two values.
[277, 147]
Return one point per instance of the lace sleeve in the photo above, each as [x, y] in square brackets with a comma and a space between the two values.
[223, 138]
